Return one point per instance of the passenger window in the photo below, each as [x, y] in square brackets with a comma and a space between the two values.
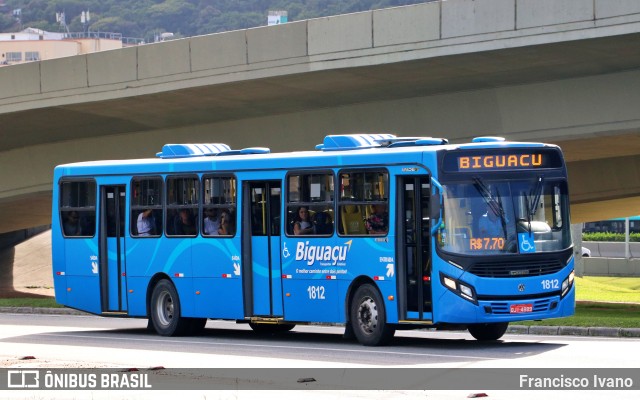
[310, 207]
[78, 208]
[146, 207]
[182, 206]
[219, 206]
[364, 203]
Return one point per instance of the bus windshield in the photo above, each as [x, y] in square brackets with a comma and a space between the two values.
[484, 216]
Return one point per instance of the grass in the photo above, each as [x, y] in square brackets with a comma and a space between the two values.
[608, 289]
[30, 302]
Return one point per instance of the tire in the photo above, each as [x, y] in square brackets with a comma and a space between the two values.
[271, 328]
[368, 317]
[486, 332]
[165, 310]
[196, 325]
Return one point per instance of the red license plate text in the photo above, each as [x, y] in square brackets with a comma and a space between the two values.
[521, 308]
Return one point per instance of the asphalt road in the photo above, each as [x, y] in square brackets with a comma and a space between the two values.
[86, 342]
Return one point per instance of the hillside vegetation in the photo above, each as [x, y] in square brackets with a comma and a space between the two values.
[146, 18]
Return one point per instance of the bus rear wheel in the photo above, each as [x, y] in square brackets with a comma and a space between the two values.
[368, 317]
[166, 312]
[487, 332]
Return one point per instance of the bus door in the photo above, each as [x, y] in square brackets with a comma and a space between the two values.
[111, 249]
[261, 219]
[414, 253]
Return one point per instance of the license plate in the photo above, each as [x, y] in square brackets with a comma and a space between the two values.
[521, 308]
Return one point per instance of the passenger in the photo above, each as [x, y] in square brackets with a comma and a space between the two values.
[490, 224]
[378, 221]
[225, 224]
[146, 223]
[71, 224]
[323, 223]
[302, 224]
[211, 222]
[185, 223]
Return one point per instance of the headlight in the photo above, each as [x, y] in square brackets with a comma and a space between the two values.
[466, 291]
[461, 289]
[567, 283]
[450, 283]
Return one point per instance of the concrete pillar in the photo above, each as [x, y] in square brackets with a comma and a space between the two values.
[576, 233]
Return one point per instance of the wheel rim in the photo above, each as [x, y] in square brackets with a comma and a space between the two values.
[368, 315]
[165, 308]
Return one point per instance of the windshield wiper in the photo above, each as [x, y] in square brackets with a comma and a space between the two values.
[537, 192]
[494, 204]
[532, 201]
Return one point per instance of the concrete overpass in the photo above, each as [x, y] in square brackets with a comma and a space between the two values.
[540, 70]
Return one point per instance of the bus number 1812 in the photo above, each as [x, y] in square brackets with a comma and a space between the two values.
[316, 292]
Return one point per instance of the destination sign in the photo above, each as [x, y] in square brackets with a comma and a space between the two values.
[500, 161]
[516, 159]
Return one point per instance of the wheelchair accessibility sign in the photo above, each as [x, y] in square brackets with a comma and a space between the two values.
[526, 243]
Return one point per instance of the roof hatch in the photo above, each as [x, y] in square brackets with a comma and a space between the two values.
[205, 149]
[367, 141]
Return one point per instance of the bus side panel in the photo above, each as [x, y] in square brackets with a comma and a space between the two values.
[388, 291]
[137, 296]
[82, 272]
[217, 278]
[58, 264]
[178, 265]
[172, 257]
[83, 293]
[184, 286]
[145, 257]
[219, 298]
[312, 300]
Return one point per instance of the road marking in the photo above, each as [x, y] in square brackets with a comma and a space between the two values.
[227, 344]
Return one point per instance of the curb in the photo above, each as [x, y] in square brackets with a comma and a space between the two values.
[513, 329]
[574, 331]
[41, 310]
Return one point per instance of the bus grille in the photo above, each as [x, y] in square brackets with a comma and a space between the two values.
[503, 308]
[518, 269]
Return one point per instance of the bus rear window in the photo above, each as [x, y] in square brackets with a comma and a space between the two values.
[78, 208]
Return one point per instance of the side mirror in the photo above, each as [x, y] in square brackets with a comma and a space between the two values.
[436, 206]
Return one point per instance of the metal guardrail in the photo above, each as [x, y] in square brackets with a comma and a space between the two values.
[104, 35]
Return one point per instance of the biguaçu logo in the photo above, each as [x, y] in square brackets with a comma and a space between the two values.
[335, 255]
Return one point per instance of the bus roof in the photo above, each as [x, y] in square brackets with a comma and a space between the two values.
[336, 150]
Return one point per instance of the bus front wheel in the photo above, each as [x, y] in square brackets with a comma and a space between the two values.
[368, 317]
[165, 310]
[488, 331]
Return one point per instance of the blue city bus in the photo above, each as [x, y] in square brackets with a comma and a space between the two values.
[615, 225]
[372, 231]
